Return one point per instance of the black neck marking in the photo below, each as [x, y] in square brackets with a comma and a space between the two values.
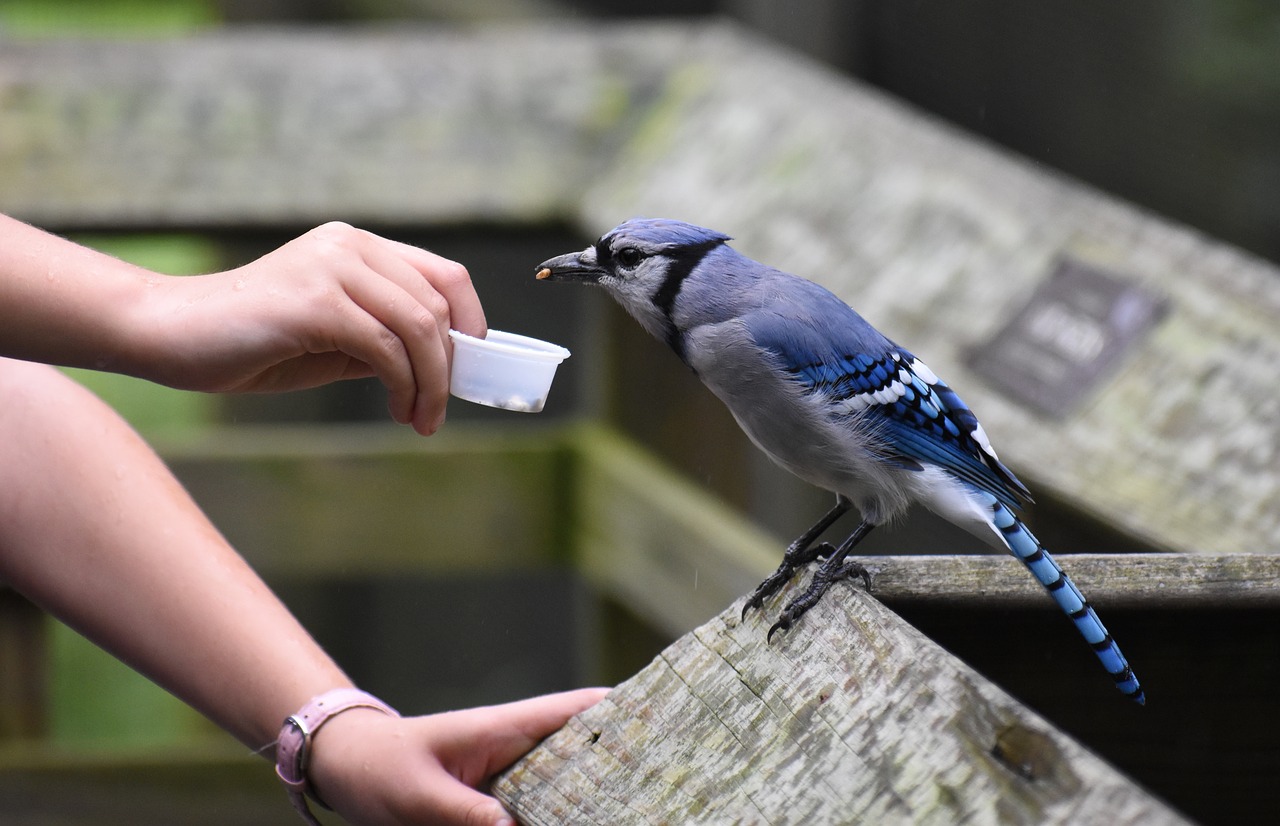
[665, 298]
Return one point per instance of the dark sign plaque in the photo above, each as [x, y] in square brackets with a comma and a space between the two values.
[1071, 334]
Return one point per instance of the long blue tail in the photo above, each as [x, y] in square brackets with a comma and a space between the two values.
[1027, 548]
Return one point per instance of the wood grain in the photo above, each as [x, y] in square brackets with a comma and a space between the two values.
[853, 717]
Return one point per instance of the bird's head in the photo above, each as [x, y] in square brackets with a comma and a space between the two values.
[641, 263]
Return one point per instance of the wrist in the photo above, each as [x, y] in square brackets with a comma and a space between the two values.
[141, 333]
[297, 736]
[66, 304]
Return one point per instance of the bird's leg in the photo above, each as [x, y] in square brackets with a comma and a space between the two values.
[832, 570]
[797, 555]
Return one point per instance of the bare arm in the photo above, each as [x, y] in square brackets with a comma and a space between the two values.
[95, 529]
[335, 303]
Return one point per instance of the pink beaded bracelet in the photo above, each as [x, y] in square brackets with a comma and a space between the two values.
[293, 749]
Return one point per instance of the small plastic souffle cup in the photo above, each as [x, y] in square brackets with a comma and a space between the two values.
[504, 370]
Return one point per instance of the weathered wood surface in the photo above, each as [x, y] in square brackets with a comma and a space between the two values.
[1198, 628]
[935, 237]
[853, 717]
[274, 127]
[321, 501]
[1153, 582]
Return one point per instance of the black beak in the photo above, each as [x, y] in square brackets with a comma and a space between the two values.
[576, 266]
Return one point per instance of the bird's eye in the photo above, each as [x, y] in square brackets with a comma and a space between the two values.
[628, 257]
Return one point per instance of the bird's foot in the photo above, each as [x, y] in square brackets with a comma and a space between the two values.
[793, 560]
[823, 579]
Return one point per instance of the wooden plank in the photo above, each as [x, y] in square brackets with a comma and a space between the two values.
[1198, 628]
[276, 127]
[855, 718]
[320, 501]
[1152, 582]
[24, 671]
[655, 541]
[197, 785]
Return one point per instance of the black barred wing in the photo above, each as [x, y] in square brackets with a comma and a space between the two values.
[915, 413]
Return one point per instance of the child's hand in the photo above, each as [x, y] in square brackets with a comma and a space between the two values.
[377, 770]
[335, 303]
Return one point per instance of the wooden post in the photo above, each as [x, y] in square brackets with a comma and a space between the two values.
[23, 667]
[851, 717]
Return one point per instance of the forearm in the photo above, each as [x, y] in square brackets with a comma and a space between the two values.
[64, 303]
[94, 528]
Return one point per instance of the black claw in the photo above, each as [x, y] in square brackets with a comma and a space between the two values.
[797, 555]
[794, 559]
[822, 581]
[835, 567]
[813, 594]
[799, 606]
[771, 585]
[823, 550]
[852, 569]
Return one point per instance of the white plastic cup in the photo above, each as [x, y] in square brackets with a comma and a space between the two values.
[504, 370]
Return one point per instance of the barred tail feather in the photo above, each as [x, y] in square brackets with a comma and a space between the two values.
[1028, 549]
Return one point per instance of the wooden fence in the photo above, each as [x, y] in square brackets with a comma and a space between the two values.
[1169, 435]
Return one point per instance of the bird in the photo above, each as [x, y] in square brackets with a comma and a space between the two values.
[829, 398]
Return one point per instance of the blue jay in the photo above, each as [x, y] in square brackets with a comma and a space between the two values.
[827, 397]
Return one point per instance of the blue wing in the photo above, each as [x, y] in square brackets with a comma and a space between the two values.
[860, 373]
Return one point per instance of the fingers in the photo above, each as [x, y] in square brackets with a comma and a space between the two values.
[515, 728]
[417, 298]
[445, 298]
[337, 302]
[537, 717]
[475, 744]
[451, 280]
[413, 347]
[379, 771]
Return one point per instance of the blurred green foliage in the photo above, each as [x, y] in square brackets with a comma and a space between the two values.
[43, 18]
[98, 703]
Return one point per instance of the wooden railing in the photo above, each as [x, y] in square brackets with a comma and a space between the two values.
[938, 239]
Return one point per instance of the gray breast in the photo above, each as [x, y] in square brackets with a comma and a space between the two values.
[794, 428]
